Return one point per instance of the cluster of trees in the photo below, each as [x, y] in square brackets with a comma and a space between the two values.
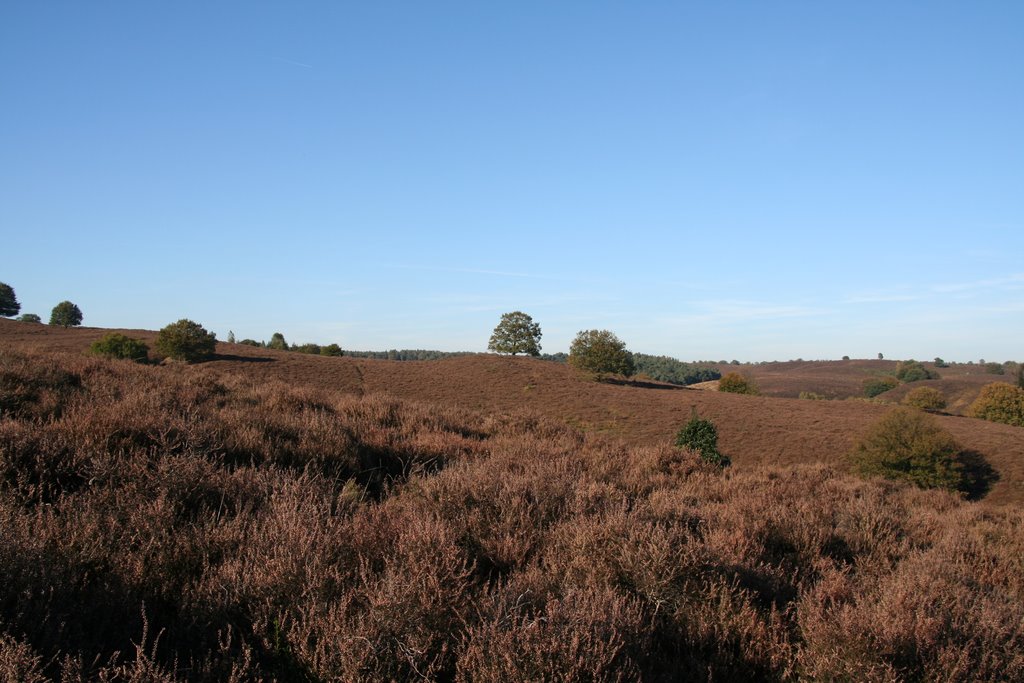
[407, 354]
[735, 383]
[906, 371]
[64, 314]
[594, 352]
[673, 371]
[278, 343]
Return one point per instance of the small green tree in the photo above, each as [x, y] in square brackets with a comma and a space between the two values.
[909, 445]
[186, 340]
[880, 356]
[735, 383]
[516, 333]
[8, 301]
[1000, 402]
[277, 342]
[231, 336]
[873, 386]
[29, 318]
[114, 345]
[939, 363]
[925, 398]
[701, 436]
[600, 353]
[66, 314]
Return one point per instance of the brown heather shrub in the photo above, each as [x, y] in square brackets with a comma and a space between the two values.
[160, 525]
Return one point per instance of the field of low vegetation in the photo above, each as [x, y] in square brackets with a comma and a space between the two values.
[184, 523]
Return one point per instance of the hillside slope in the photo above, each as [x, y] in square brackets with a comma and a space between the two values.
[753, 430]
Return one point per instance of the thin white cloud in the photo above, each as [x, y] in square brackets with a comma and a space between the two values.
[990, 283]
[879, 298]
[294, 63]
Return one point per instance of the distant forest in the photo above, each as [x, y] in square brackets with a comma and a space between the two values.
[407, 354]
[659, 368]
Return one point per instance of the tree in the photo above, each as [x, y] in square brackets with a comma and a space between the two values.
[873, 386]
[331, 350]
[909, 445]
[913, 371]
[880, 356]
[8, 301]
[66, 314]
[599, 353]
[516, 333]
[29, 318]
[231, 336]
[277, 342]
[186, 340]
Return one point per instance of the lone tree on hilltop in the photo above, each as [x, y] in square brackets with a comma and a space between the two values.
[599, 353]
[516, 333]
[186, 340]
[8, 301]
[66, 314]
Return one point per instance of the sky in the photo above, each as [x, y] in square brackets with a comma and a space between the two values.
[714, 180]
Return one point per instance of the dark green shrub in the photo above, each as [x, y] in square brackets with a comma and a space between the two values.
[913, 371]
[909, 445]
[925, 398]
[701, 436]
[994, 369]
[735, 383]
[331, 350]
[1000, 402]
[846, 358]
[29, 318]
[186, 340]
[116, 345]
[873, 386]
[313, 349]
[939, 363]
[251, 342]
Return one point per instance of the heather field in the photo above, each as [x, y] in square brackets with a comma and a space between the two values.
[215, 522]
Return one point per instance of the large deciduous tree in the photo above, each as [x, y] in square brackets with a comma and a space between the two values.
[516, 333]
[8, 301]
[600, 353]
[66, 314]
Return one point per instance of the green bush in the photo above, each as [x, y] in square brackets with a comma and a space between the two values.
[913, 371]
[1000, 402]
[701, 436]
[873, 386]
[331, 350]
[909, 445]
[735, 383]
[925, 398]
[186, 340]
[313, 349]
[939, 363]
[994, 369]
[116, 345]
[29, 318]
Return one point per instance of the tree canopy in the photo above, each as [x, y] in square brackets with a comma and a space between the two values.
[8, 301]
[516, 333]
[66, 314]
[599, 353]
[186, 340]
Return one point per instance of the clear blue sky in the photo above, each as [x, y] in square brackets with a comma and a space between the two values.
[756, 180]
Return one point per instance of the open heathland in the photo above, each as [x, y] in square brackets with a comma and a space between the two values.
[270, 515]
